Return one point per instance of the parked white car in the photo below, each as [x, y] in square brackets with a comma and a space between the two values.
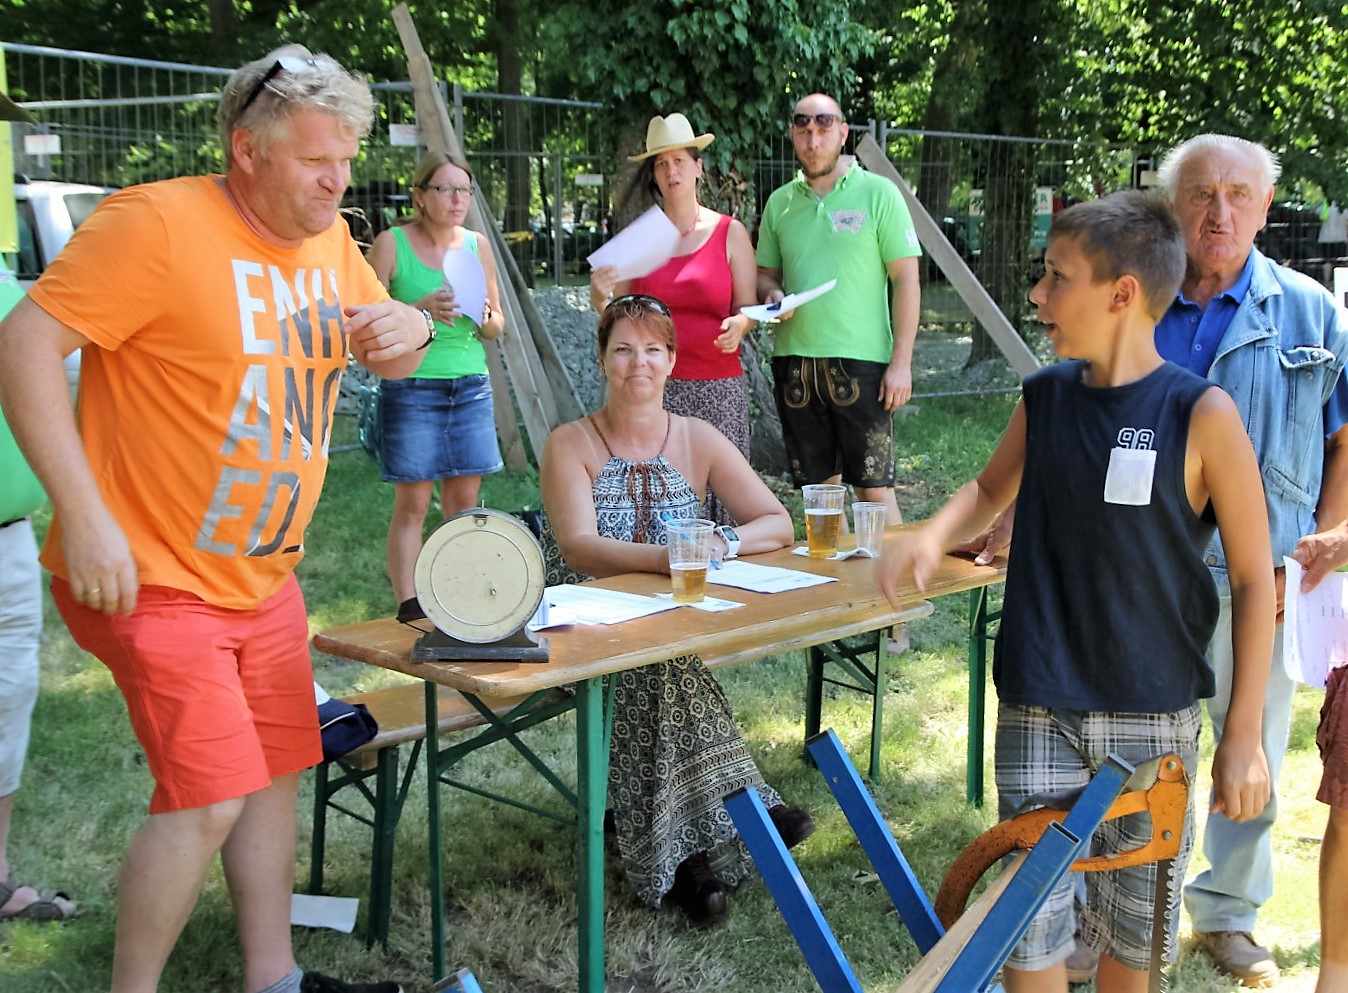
[48, 213]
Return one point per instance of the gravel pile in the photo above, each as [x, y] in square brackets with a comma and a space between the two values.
[571, 322]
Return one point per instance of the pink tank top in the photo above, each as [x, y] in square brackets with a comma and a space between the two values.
[697, 287]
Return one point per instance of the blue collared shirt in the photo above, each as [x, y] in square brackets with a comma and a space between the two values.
[1189, 335]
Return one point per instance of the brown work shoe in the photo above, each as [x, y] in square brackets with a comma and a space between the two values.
[1236, 953]
[1082, 963]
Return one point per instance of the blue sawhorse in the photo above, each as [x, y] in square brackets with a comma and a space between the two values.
[462, 981]
[967, 957]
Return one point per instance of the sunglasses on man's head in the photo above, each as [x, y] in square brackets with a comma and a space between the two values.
[286, 63]
[641, 300]
[823, 121]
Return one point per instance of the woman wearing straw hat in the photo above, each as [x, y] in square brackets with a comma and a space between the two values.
[711, 276]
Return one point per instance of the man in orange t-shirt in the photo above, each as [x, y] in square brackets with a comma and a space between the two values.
[216, 314]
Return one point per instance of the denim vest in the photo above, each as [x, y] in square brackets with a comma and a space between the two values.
[1280, 360]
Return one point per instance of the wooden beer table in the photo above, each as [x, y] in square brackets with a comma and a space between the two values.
[581, 656]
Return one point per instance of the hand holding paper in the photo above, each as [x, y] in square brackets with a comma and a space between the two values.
[781, 309]
[640, 248]
[467, 281]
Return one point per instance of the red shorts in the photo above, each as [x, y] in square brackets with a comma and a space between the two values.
[221, 700]
[1332, 737]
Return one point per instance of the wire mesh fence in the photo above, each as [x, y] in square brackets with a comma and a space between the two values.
[114, 121]
[547, 168]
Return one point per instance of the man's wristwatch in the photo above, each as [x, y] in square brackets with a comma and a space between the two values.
[430, 330]
[732, 540]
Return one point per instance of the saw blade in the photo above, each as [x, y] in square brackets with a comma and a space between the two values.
[1160, 925]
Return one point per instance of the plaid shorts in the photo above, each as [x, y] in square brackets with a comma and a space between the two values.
[1041, 750]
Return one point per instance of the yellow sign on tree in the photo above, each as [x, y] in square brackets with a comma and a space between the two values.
[9, 223]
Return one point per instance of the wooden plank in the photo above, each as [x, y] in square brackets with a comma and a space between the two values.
[569, 407]
[503, 407]
[962, 278]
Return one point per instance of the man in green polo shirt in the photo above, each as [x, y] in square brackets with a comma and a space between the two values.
[20, 628]
[842, 362]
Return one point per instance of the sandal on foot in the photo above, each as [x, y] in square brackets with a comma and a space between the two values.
[43, 910]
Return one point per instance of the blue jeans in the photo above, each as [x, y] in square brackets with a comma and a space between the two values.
[1227, 896]
[437, 429]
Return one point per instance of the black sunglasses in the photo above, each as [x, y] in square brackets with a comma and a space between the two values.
[287, 63]
[643, 300]
[824, 121]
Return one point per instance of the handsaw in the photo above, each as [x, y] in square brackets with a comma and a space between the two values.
[1158, 787]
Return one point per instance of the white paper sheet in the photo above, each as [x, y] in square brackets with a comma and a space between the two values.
[711, 604]
[1315, 626]
[772, 311]
[640, 248]
[838, 556]
[466, 277]
[335, 912]
[569, 604]
[764, 578]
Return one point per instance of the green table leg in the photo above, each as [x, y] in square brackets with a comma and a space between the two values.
[435, 863]
[591, 788]
[978, 667]
[878, 700]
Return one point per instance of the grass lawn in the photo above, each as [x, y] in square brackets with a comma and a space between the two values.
[510, 875]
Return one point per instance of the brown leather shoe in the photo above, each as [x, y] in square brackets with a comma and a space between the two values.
[1082, 963]
[698, 892]
[794, 824]
[1236, 953]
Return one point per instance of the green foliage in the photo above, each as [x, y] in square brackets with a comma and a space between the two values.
[732, 66]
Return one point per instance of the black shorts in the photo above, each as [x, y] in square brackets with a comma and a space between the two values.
[833, 420]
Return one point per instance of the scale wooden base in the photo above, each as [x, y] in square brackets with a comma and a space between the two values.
[436, 646]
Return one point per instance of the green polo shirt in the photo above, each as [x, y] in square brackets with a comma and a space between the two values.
[20, 492]
[850, 234]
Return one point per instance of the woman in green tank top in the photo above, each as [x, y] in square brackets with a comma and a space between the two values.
[437, 424]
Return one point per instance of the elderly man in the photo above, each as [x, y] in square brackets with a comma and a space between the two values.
[216, 314]
[1274, 340]
[843, 363]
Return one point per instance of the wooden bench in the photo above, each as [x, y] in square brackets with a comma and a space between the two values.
[400, 712]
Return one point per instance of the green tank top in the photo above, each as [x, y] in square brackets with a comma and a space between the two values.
[456, 351]
[20, 492]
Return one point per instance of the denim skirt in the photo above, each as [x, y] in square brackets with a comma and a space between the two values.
[437, 428]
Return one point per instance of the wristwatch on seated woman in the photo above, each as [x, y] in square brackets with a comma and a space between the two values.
[732, 541]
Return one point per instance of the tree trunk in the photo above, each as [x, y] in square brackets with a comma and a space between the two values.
[1018, 42]
[767, 449]
[947, 105]
[224, 25]
[514, 135]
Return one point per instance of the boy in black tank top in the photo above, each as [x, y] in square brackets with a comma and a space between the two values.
[1120, 464]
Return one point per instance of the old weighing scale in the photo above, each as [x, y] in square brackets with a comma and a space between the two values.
[480, 578]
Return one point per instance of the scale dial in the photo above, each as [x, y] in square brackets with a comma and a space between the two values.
[480, 576]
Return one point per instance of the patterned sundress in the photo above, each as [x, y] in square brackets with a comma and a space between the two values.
[675, 750]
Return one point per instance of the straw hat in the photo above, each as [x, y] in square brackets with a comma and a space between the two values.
[666, 133]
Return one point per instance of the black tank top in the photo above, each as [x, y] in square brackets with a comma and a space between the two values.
[1109, 606]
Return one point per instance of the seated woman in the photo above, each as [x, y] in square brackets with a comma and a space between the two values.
[609, 483]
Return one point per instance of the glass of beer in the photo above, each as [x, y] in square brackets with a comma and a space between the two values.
[690, 541]
[823, 518]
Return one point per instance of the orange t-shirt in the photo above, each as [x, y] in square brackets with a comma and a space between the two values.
[206, 408]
